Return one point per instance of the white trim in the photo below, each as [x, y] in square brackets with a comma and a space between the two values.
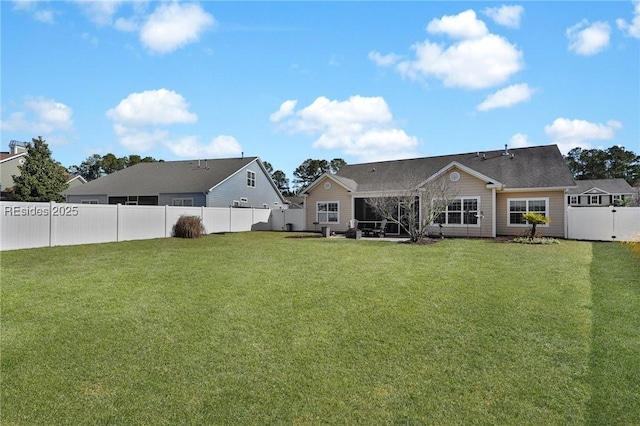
[90, 201]
[462, 198]
[18, 155]
[551, 188]
[525, 225]
[465, 169]
[337, 212]
[317, 181]
[494, 221]
[251, 177]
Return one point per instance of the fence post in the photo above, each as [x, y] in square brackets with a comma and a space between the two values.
[51, 224]
[118, 222]
[166, 219]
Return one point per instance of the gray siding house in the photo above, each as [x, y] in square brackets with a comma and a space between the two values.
[229, 182]
[600, 193]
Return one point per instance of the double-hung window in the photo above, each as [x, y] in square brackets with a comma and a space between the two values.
[573, 199]
[461, 211]
[327, 211]
[251, 179]
[521, 206]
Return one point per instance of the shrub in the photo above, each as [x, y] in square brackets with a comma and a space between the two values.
[188, 227]
[535, 219]
[535, 240]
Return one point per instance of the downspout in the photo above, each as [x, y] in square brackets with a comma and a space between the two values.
[494, 213]
[566, 213]
[304, 208]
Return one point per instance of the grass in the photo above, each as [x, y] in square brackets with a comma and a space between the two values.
[258, 328]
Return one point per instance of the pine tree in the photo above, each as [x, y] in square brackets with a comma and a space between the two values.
[41, 178]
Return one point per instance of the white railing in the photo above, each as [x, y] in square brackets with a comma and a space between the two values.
[30, 225]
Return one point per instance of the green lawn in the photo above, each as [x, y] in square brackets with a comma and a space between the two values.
[259, 328]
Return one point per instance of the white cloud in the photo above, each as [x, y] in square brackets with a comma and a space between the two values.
[631, 29]
[140, 119]
[507, 97]
[465, 25]
[100, 12]
[174, 25]
[152, 107]
[383, 60]
[476, 60]
[585, 39]
[471, 64]
[219, 147]
[286, 109]
[360, 126]
[568, 134]
[34, 8]
[42, 116]
[519, 141]
[140, 140]
[508, 16]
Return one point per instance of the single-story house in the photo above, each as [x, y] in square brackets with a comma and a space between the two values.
[600, 193]
[228, 182]
[493, 189]
[9, 162]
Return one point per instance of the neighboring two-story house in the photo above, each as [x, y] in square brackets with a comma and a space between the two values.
[227, 182]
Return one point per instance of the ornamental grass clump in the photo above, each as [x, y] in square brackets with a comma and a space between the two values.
[188, 227]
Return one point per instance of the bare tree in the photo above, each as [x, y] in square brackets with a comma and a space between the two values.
[416, 205]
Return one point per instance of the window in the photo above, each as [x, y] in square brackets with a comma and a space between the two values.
[616, 200]
[251, 179]
[520, 206]
[89, 202]
[573, 199]
[327, 212]
[183, 202]
[594, 199]
[461, 211]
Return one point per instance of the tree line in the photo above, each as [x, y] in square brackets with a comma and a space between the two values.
[611, 163]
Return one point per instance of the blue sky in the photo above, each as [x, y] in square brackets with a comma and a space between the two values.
[287, 81]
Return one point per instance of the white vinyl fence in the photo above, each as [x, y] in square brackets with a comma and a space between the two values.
[287, 220]
[603, 223]
[29, 225]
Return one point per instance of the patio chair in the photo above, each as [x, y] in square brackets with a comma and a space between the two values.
[380, 231]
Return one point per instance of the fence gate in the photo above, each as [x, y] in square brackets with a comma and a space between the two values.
[603, 223]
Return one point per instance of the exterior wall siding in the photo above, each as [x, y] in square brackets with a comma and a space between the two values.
[7, 170]
[470, 186]
[235, 188]
[335, 193]
[557, 213]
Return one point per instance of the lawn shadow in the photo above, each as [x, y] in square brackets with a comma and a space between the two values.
[614, 365]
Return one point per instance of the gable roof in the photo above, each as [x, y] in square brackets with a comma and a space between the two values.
[602, 186]
[165, 177]
[519, 168]
[5, 156]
